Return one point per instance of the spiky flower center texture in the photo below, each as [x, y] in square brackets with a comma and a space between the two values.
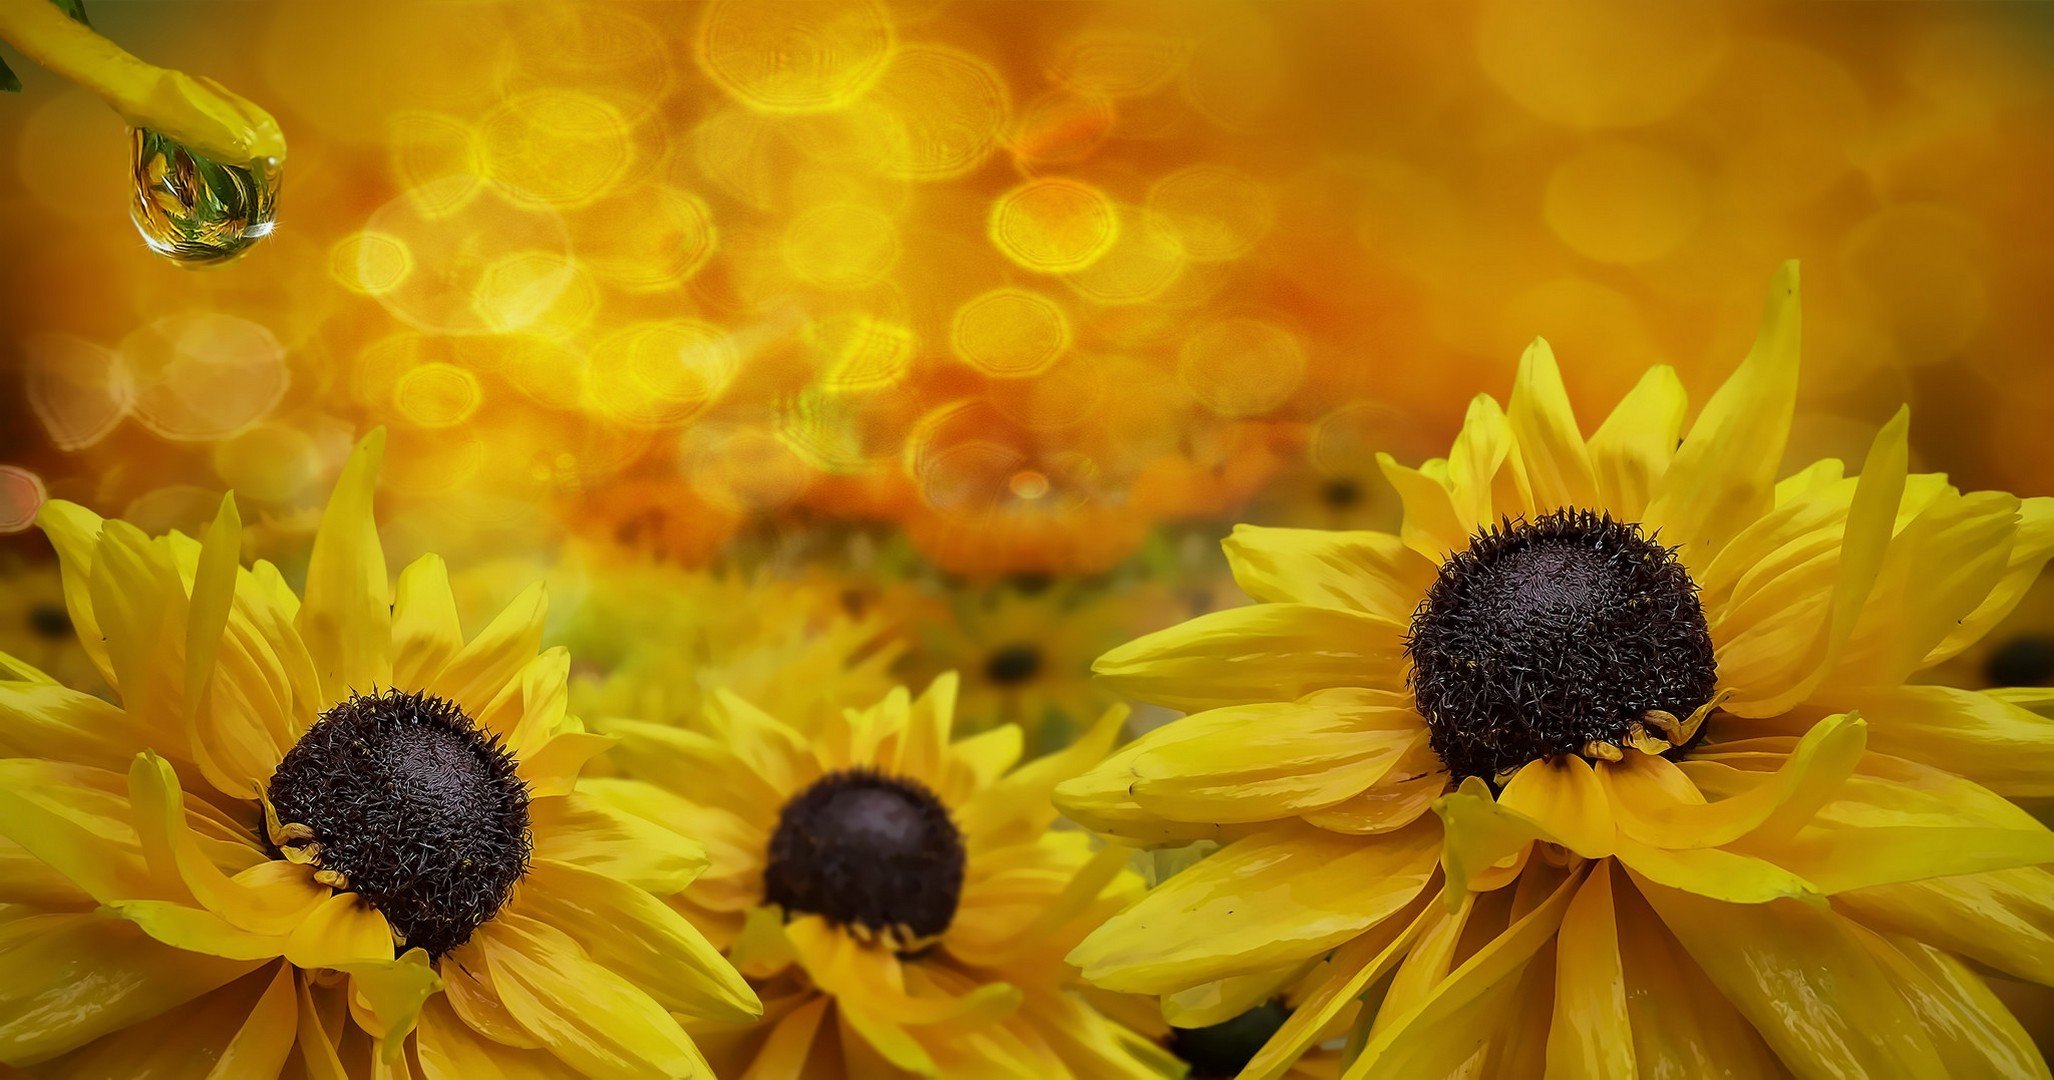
[1549, 636]
[405, 801]
[868, 851]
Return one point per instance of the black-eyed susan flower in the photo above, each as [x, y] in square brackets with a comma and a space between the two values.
[896, 895]
[1024, 649]
[793, 644]
[1688, 816]
[307, 815]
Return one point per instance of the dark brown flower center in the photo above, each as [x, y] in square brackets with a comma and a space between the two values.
[1545, 637]
[403, 800]
[1011, 665]
[871, 851]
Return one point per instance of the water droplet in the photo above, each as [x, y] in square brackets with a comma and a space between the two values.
[193, 209]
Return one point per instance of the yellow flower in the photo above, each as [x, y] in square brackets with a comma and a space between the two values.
[306, 816]
[1024, 649]
[896, 896]
[1689, 818]
[35, 630]
[653, 641]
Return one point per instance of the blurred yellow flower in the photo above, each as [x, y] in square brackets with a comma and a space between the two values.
[896, 894]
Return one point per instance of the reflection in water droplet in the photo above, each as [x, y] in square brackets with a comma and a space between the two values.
[192, 209]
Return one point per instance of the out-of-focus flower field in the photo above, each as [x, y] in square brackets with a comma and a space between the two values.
[984, 320]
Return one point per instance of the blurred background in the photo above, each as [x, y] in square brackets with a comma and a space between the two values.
[906, 335]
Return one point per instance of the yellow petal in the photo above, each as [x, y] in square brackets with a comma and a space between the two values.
[637, 936]
[2029, 553]
[391, 990]
[238, 1028]
[2002, 740]
[1631, 450]
[496, 657]
[1019, 807]
[426, 635]
[73, 978]
[342, 930]
[1681, 1024]
[553, 767]
[1724, 474]
[1222, 1000]
[1356, 966]
[141, 604]
[1939, 567]
[1805, 981]
[1484, 474]
[233, 754]
[1777, 806]
[75, 532]
[590, 1017]
[1367, 572]
[449, 1050]
[197, 930]
[346, 619]
[1591, 1034]
[318, 1035]
[1773, 651]
[785, 1053]
[1102, 800]
[1436, 1036]
[1431, 526]
[531, 709]
[267, 906]
[1880, 833]
[1715, 873]
[1262, 762]
[1551, 449]
[2003, 919]
[74, 820]
[585, 829]
[870, 978]
[1563, 797]
[1265, 652]
[1972, 1030]
[262, 1045]
[1276, 897]
[467, 987]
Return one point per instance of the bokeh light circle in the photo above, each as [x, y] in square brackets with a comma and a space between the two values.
[79, 390]
[437, 395]
[660, 373]
[1010, 332]
[1242, 366]
[21, 496]
[556, 148]
[1599, 63]
[462, 247]
[1622, 202]
[841, 245]
[1214, 213]
[204, 376]
[647, 240]
[795, 56]
[1054, 225]
[271, 462]
[370, 263]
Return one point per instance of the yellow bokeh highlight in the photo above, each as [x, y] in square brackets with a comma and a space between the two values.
[1623, 202]
[437, 395]
[660, 374]
[1241, 367]
[841, 245]
[457, 242]
[1118, 60]
[544, 290]
[1140, 266]
[78, 389]
[1010, 333]
[1061, 127]
[425, 147]
[204, 376]
[1054, 225]
[370, 263]
[1599, 63]
[557, 148]
[271, 462]
[650, 239]
[1214, 213]
[936, 113]
[861, 352]
[795, 56]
